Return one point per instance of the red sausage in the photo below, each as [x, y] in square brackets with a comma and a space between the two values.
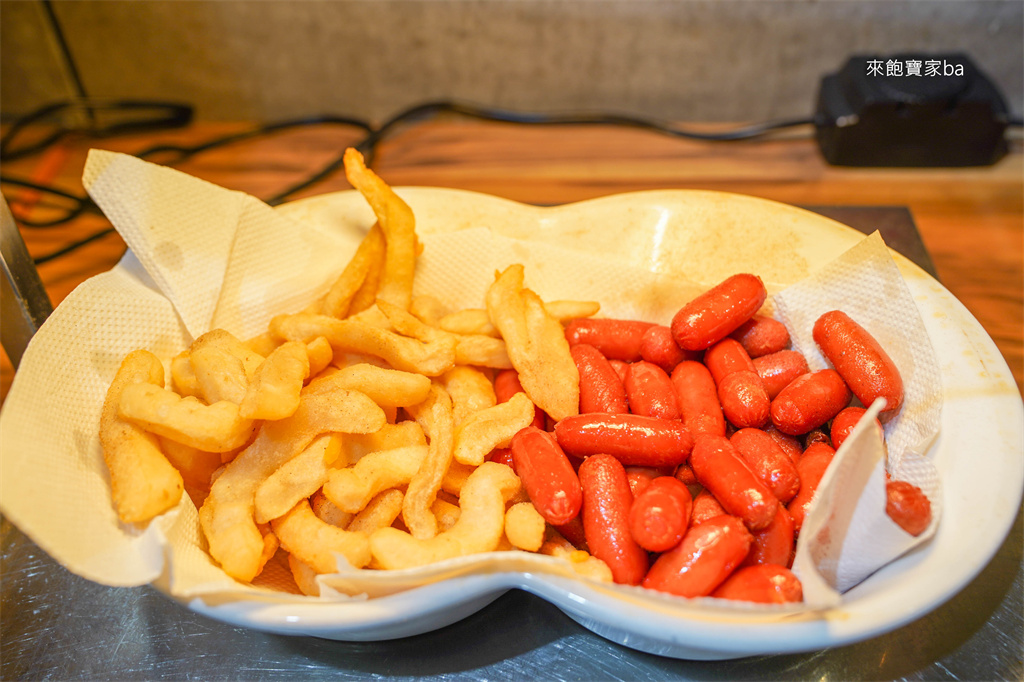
[649, 391]
[809, 401]
[811, 468]
[620, 368]
[720, 469]
[777, 370]
[703, 560]
[860, 360]
[606, 502]
[725, 357]
[775, 543]
[761, 335]
[640, 477]
[844, 423]
[698, 399]
[744, 401]
[764, 584]
[660, 514]
[718, 312]
[616, 339]
[601, 390]
[705, 506]
[817, 435]
[659, 347]
[907, 505]
[768, 461]
[502, 456]
[506, 385]
[573, 532]
[631, 438]
[685, 475]
[791, 445]
[547, 475]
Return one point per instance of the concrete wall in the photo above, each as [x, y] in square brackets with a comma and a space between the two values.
[268, 60]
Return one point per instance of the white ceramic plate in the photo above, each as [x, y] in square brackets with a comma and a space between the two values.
[711, 235]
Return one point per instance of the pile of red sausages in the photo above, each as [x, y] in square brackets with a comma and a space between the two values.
[699, 445]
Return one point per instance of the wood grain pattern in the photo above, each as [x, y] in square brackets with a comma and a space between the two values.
[970, 220]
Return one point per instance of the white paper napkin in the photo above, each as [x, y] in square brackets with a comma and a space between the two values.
[205, 257]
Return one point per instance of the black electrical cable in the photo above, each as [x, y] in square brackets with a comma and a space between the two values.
[176, 115]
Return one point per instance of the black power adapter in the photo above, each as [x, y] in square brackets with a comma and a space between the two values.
[911, 111]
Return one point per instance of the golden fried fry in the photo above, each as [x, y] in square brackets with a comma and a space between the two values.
[380, 512]
[143, 483]
[347, 336]
[183, 377]
[387, 387]
[327, 512]
[304, 575]
[428, 309]
[315, 543]
[581, 561]
[320, 354]
[446, 514]
[482, 351]
[491, 428]
[339, 297]
[398, 224]
[389, 437]
[196, 467]
[478, 529]
[435, 416]
[211, 428]
[274, 390]
[471, 321]
[470, 389]
[536, 344]
[456, 477]
[227, 515]
[524, 526]
[298, 478]
[352, 488]
[223, 366]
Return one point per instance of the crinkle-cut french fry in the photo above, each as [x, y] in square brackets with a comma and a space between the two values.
[314, 542]
[389, 437]
[273, 392]
[524, 526]
[143, 484]
[298, 478]
[387, 387]
[183, 377]
[428, 309]
[328, 512]
[401, 352]
[320, 355]
[479, 527]
[536, 344]
[435, 416]
[446, 514]
[470, 389]
[566, 310]
[304, 575]
[352, 488]
[271, 543]
[407, 324]
[227, 515]
[339, 298]
[365, 298]
[380, 512]
[398, 223]
[582, 562]
[212, 428]
[491, 428]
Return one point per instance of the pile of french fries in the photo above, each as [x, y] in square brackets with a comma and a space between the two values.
[359, 430]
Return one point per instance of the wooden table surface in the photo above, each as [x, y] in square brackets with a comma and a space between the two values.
[970, 220]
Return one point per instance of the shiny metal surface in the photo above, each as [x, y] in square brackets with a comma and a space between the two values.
[24, 303]
[55, 625]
